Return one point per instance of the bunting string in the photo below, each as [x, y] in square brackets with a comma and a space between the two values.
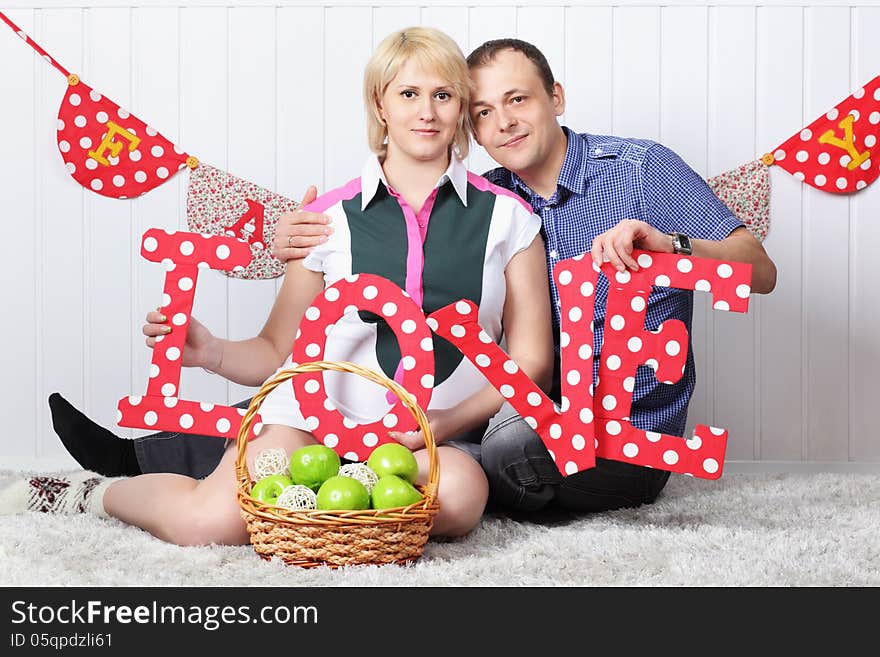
[33, 44]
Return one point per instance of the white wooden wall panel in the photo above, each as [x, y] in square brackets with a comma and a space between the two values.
[108, 235]
[452, 20]
[864, 271]
[22, 280]
[636, 61]
[252, 142]
[779, 113]
[156, 87]
[273, 94]
[62, 250]
[589, 81]
[730, 337]
[826, 261]
[204, 132]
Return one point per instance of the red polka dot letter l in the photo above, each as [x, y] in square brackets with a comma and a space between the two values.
[161, 408]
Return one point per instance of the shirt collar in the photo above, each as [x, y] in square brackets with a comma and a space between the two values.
[573, 174]
[372, 174]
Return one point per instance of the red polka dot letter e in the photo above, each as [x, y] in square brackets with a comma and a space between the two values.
[835, 152]
[627, 345]
[108, 150]
[160, 409]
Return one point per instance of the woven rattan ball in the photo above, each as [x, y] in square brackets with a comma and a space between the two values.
[362, 472]
[271, 462]
[296, 498]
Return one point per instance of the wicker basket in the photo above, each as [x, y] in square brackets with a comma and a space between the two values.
[338, 538]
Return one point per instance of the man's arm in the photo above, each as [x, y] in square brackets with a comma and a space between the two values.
[676, 198]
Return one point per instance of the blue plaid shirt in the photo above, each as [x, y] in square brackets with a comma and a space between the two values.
[607, 179]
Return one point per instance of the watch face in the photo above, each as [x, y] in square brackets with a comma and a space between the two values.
[681, 244]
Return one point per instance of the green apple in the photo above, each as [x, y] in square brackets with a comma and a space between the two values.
[312, 465]
[341, 493]
[394, 459]
[269, 488]
[392, 491]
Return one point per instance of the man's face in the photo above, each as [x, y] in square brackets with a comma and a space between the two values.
[514, 116]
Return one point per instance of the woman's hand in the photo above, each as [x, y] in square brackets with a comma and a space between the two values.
[298, 233]
[443, 427]
[202, 349]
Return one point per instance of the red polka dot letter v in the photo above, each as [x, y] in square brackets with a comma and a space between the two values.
[568, 432]
[160, 409]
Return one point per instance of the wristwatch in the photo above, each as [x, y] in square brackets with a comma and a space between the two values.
[681, 244]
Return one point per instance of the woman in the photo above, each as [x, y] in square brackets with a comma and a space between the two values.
[416, 216]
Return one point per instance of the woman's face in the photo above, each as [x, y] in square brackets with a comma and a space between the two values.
[421, 111]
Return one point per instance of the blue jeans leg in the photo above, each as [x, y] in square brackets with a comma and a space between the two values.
[521, 474]
[187, 454]
[523, 477]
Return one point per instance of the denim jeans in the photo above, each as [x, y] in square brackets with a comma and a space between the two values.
[197, 456]
[186, 454]
[523, 477]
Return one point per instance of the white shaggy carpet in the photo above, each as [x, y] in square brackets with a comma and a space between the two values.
[742, 530]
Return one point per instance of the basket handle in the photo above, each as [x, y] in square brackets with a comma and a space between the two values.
[286, 374]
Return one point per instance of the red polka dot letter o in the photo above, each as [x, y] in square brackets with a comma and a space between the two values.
[568, 432]
[161, 409]
[378, 295]
[627, 345]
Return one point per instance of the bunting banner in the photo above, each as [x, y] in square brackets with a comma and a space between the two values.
[110, 151]
[833, 153]
[104, 147]
[745, 190]
[218, 203]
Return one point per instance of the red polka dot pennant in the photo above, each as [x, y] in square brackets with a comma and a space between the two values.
[110, 151]
[220, 203]
[835, 152]
[161, 409]
[378, 295]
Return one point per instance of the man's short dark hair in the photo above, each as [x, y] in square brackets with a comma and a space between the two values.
[484, 54]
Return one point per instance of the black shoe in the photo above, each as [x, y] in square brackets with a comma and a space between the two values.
[94, 447]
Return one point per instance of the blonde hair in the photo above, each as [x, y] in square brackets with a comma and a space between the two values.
[433, 50]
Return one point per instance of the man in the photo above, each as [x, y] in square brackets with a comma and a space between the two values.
[601, 194]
